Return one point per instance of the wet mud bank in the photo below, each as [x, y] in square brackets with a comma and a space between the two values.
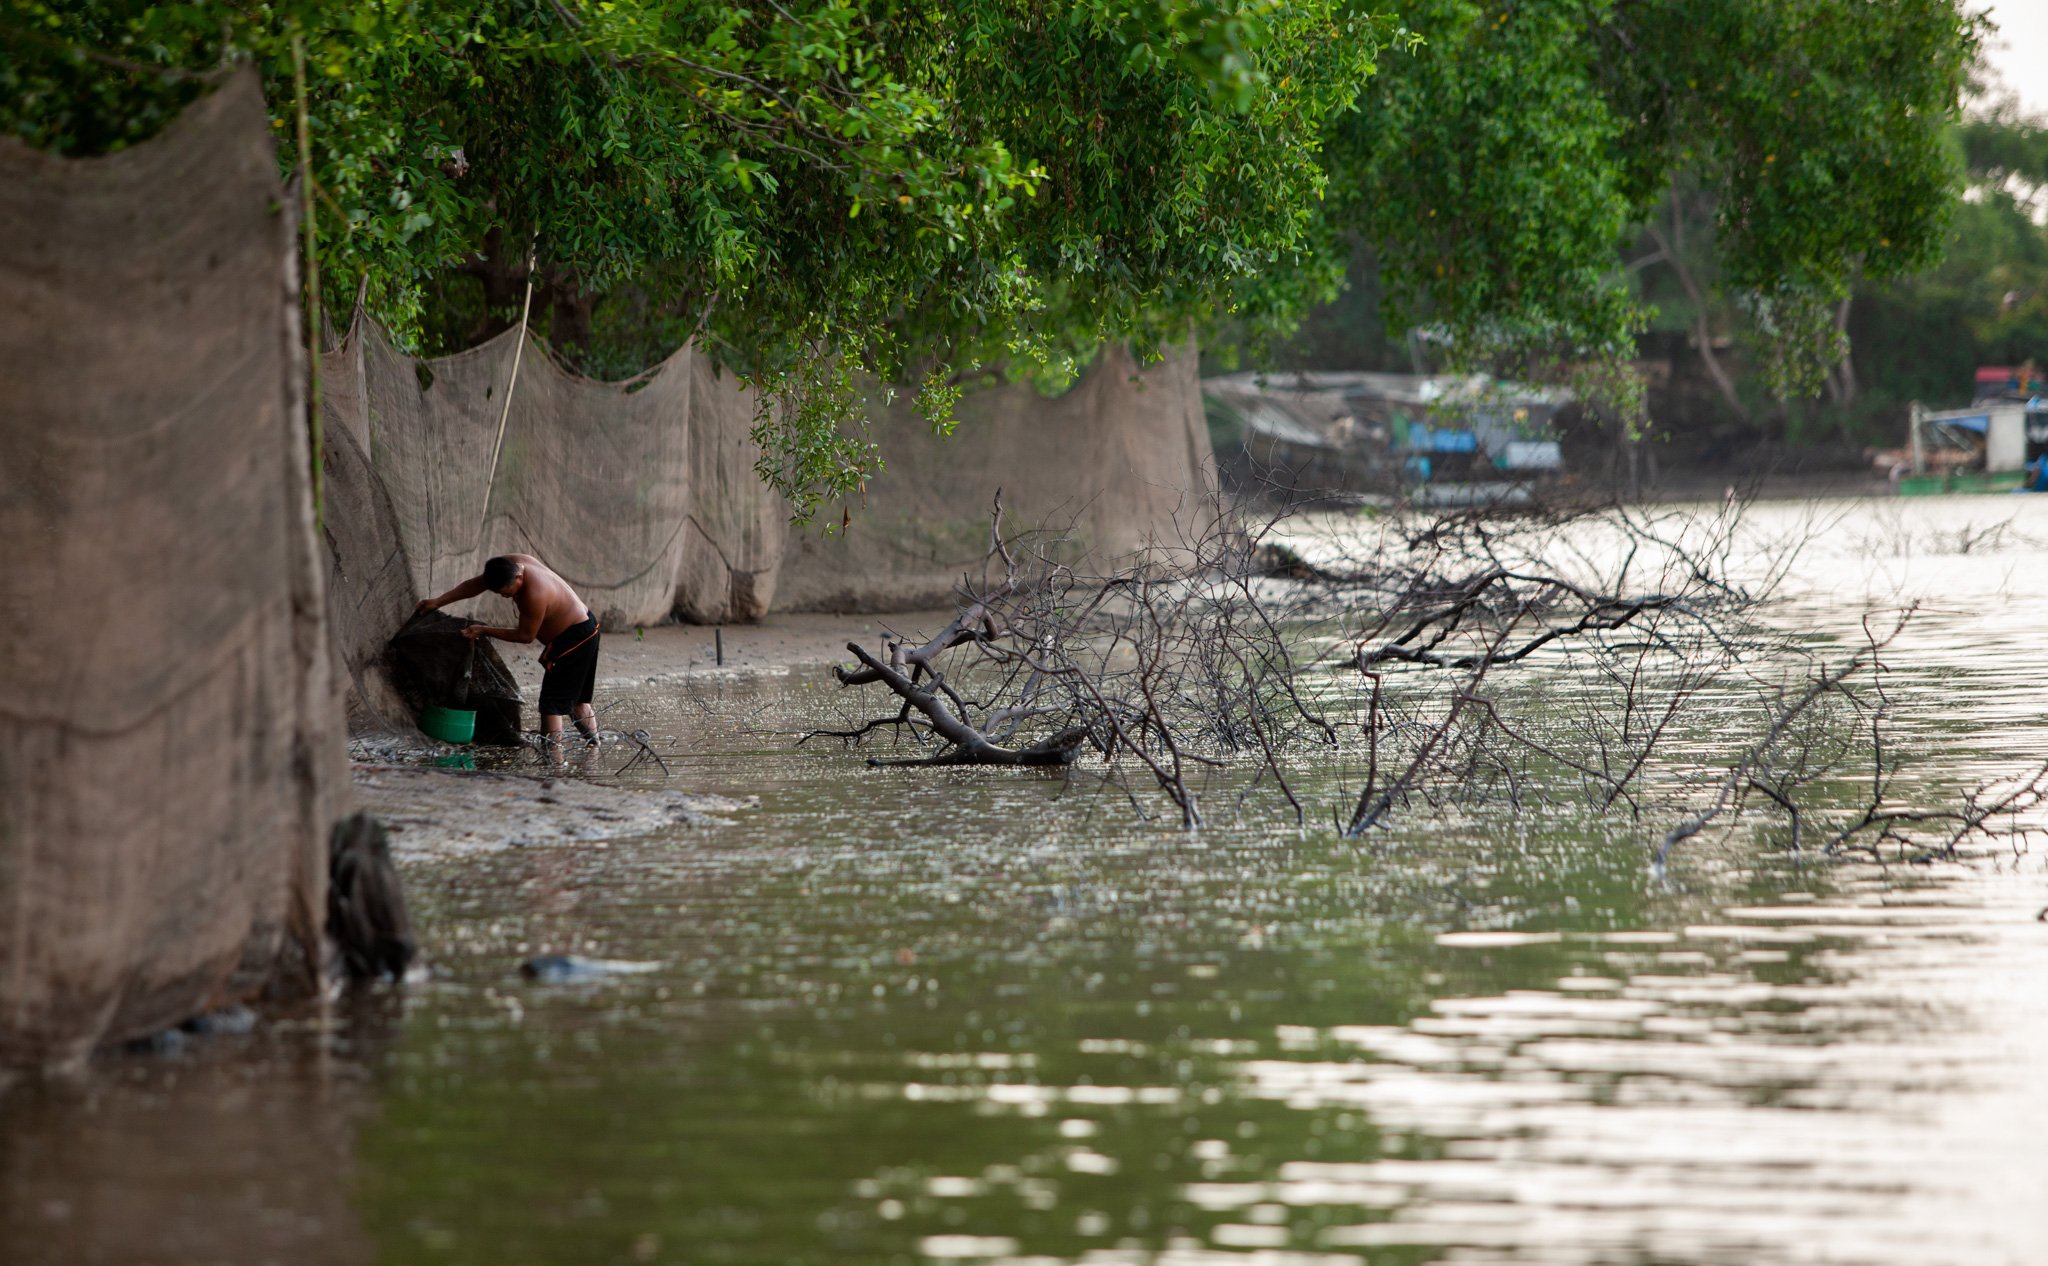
[433, 812]
[436, 810]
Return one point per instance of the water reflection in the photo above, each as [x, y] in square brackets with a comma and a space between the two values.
[950, 1016]
[232, 1149]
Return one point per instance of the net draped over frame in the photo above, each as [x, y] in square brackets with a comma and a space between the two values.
[171, 756]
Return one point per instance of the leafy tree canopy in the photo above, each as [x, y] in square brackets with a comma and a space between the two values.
[1985, 302]
[1495, 171]
[919, 188]
[812, 187]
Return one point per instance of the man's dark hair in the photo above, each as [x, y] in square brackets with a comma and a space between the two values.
[499, 572]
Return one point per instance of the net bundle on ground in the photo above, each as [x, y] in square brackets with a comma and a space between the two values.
[170, 755]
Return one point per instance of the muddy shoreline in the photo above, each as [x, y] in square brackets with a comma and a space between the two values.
[459, 812]
[436, 811]
[776, 643]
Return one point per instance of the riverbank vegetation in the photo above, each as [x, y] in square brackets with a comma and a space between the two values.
[820, 192]
[1808, 245]
[827, 193]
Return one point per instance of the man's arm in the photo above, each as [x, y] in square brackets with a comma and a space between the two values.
[529, 627]
[467, 589]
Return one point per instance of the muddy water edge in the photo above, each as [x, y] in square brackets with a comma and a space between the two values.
[938, 1016]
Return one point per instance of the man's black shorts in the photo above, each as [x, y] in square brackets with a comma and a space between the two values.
[571, 663]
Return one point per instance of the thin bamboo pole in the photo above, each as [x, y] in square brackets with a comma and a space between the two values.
[505, 410]
[309, 225]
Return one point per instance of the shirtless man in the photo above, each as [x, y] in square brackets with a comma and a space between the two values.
[550, 610]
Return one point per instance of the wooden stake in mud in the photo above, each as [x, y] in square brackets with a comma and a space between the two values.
[718, 644]
[311, 229]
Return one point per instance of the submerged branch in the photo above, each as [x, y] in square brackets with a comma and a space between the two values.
[1226, 652]
[970, 745]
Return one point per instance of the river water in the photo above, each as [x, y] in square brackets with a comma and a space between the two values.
[971, 1016]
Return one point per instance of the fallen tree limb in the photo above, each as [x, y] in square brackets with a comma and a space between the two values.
[970, 745]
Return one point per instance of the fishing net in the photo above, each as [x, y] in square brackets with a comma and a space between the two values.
[370, 592]
[591, 478]
[170, 754]
[434, 665]
[1114, 462]
[642, 495]
[733, 539]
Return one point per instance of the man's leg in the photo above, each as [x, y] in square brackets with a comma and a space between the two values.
[551, 728]
[586, 686]
[557, 699]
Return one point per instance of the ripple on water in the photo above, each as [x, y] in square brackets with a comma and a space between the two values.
[956, 1017]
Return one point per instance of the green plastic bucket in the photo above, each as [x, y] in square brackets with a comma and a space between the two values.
[450, 725]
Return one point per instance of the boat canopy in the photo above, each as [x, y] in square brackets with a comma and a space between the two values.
[1978, 422]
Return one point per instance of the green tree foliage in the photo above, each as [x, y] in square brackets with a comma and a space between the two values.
[1982, 300]
[815, 188]
[1484, 170]
[820, 190]
[1495, 171]
[1985, 302]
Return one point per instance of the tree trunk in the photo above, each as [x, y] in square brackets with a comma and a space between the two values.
[1701, 331]
[1841, 380]
[569, 311]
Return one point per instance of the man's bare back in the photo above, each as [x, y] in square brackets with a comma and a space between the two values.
[547, 605]
[549, 610]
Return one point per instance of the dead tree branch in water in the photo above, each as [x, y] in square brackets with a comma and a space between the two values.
[1166, 661]
[1597, 613]
[1223, 648]
[914, 675]
[1758, 768]
[1629, 615]
[1845, 710]
[1461, 660]
[971, 746]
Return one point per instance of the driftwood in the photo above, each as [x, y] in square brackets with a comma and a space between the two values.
[914, 675]
[970, 745]
[1212, 661]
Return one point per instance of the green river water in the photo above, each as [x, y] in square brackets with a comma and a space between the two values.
[990, 1017]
